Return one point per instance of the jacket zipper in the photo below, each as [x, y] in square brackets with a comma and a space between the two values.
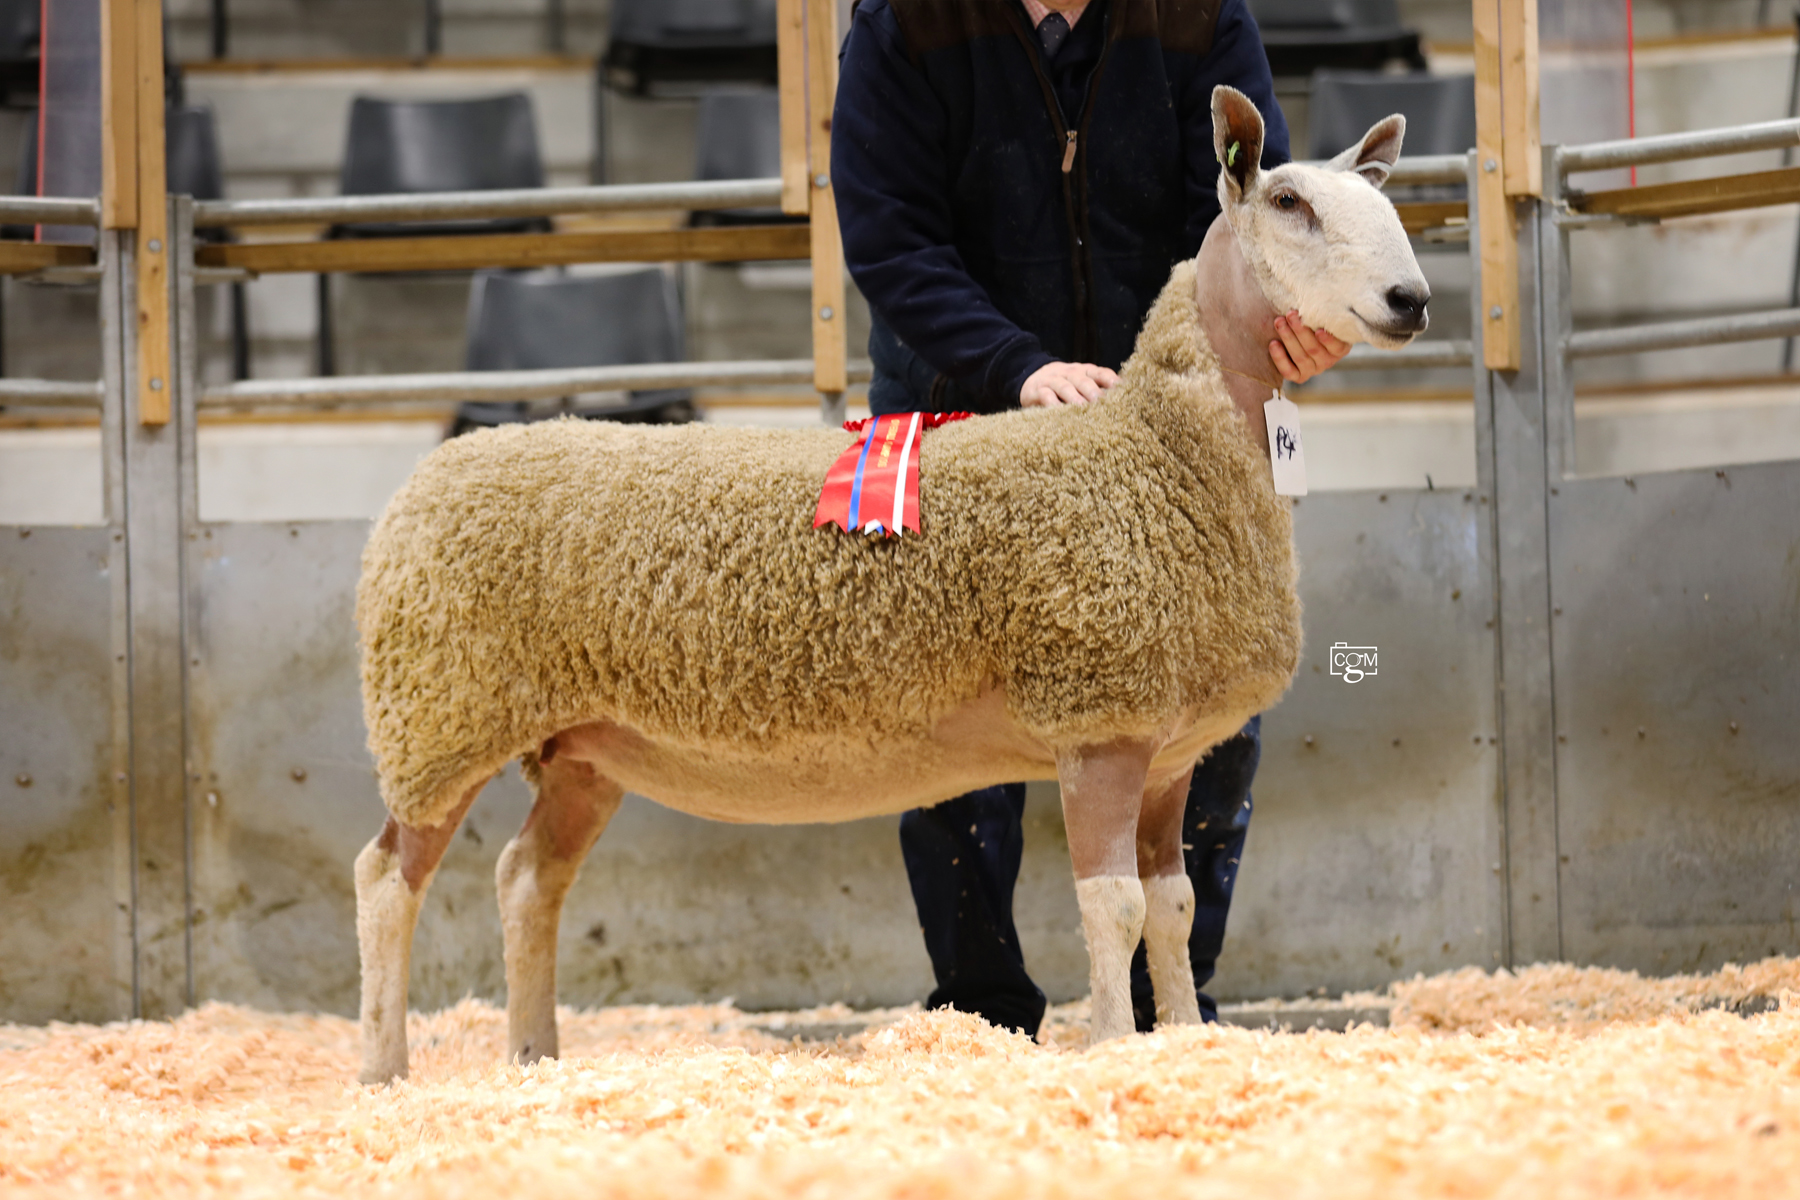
[1081, 269]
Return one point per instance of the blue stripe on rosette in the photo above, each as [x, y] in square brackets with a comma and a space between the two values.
[856, 487]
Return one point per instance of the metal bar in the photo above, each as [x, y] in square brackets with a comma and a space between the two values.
[115, 352]
[48, 210]
[1418, 356]
[1674, 147]
[1423, 169]
[51, 393]
[1787, 159]
[1556, 321]
[1521, 447]
[500, 202]
[184, 382]
[158, 772]
[1497, 925]
[494, 386]
[1673, 335]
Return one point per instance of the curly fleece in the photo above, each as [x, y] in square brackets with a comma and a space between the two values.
[1113, 568]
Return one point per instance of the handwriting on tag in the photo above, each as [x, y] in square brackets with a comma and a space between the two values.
[1286, 455]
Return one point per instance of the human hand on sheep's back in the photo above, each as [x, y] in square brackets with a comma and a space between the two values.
[1300, 351]
[1056, 384]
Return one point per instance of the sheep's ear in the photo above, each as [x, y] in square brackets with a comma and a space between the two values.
[1237, 138]
[1376, 154]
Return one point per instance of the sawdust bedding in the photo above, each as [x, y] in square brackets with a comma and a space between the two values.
[1555, 1082]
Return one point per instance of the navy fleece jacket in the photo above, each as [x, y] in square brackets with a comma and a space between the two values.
[982, 257]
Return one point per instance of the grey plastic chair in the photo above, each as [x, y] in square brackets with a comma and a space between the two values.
[1303, 36]
[403, 146]
[1439, 110]
[20, 31]
[654, 42]
[531, 320]
[739, 138]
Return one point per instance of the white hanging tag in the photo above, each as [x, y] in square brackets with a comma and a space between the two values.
[1286, 455]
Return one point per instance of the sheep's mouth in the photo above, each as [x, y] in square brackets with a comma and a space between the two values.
[1388, 337]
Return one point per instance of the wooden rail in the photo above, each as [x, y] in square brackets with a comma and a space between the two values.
[1420, 216]
[727, 243]
[1694, 197]
[18, 258]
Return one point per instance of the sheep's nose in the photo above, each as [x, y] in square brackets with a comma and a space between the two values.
[1409, 305]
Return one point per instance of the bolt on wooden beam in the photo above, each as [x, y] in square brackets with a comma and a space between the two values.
[1499, 222]
[830, 345]
[154, 380]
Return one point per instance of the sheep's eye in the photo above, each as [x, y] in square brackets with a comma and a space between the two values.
[1287, 202]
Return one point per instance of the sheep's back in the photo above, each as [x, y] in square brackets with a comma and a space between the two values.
[670, 578]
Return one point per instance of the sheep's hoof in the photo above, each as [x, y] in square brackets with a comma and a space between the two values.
[529, 1053]
[381, 1076]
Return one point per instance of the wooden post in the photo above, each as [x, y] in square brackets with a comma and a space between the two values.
[790, 49]
[1524, 160]
[1499, 223]
[118, 115]
[830, 345]
[154, 382]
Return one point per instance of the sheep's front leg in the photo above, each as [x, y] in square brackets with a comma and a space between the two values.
[536, 870]
[1169, 901]
[392, 873]
[1102, 791]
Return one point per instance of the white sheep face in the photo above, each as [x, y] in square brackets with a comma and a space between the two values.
[1322, 241]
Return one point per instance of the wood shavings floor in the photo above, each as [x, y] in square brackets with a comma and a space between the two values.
[1557, 1082]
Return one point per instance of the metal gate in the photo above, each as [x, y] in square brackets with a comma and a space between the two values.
[1578, 744]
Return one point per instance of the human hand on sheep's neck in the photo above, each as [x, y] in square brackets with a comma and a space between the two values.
[1239, 323]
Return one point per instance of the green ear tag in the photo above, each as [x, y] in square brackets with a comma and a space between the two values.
[1231, 155]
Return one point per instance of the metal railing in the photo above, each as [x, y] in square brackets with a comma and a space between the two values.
[707, 195]
[495, 386]
[1422, 169]
[1418, 356]
[766, 193]
[50, 393]
[1675, 147]
[1676, 335]
[49, 210]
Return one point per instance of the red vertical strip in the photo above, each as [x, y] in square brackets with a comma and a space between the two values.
[1630, 82]
[37, 231]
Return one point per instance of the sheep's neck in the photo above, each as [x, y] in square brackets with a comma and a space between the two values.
[1238, 322]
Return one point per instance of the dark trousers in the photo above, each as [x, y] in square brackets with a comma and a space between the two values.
[963, 855]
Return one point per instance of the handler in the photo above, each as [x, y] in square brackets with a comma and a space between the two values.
[1015, 180]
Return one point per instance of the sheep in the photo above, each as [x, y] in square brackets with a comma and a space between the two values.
[1099, 595]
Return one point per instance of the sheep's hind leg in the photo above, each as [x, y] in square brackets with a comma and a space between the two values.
[536, 870]
[392, 873]
[1103, 790]
[1168, 902]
